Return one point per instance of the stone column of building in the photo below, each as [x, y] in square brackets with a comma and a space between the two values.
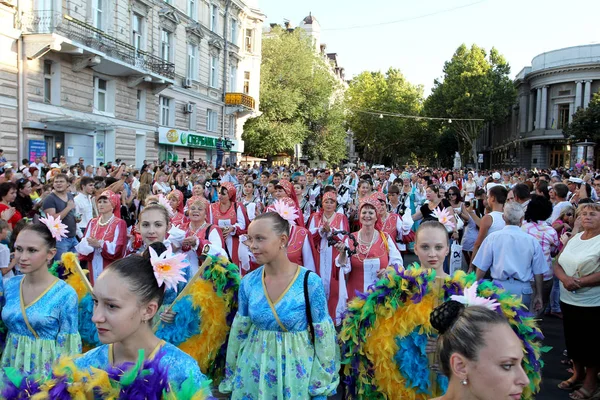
[543, 117]
[523, 112]
[577, 94]
[530, 112]
[538, 108]
[587, 94]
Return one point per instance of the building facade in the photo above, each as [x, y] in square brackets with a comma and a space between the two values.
[130, 80]
[549, 92]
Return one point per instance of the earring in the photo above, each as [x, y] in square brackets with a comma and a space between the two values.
[464, 382]
[143, 321]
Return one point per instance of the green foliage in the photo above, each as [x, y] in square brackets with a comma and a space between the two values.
[388, 139]
[474, 85]
[586, 122]
[296, 95]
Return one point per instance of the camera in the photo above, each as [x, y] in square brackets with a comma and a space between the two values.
[467, 203]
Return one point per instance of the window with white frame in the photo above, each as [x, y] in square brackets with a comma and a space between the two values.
[164, 110]
[234, 31]
[214, 15]
[101, 94]
[211, 120]
[232, 126]
[47, 81]
[233, 78]
[137, 31]
[214, 71]
[249, 40]
[98, 14]
[247, 82]
[192, 61]
[192, 9]
[166, 44]
[140, 105]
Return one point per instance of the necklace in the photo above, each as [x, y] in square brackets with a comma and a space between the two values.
[107, 222]
[197, 230]
[328, 219]
[364, 246]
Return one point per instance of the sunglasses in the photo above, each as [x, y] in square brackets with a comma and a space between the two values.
[569, 214]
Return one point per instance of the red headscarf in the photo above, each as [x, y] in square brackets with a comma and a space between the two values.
[230, 190]
[373, 202]
[115, 201]
[179, 196]
[327, 196]
[288, 188]
[381, 198]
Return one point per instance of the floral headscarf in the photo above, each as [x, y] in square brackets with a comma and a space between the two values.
[376, 204]
[231, 191]
[115, 201]
[179, 196]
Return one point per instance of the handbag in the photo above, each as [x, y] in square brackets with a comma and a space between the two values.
[455, 258]
[408, 238]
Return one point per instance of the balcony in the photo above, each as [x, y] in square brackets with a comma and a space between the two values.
[240, 100]
[46, 30]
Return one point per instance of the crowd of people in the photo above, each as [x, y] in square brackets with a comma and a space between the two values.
[307, 242]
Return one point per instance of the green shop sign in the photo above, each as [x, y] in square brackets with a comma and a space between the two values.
[176, 137]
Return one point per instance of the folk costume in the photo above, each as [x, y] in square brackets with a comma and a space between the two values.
[178, 219]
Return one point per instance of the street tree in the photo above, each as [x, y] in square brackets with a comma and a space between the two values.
[475, 86]
[297, 100]
[380, 137]
[586, 122]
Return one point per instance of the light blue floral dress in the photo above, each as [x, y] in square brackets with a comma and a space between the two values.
[270, 354]
[53, 319]
[180, 365]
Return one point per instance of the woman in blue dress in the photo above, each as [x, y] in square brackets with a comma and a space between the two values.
[126, 296]
[271, 352]
[41, 310]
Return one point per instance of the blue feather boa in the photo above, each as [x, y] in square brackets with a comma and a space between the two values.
[185, 325]
[87, 329]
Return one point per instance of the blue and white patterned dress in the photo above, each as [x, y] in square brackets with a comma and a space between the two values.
[270, 354]
[53, 318]
[180, 366]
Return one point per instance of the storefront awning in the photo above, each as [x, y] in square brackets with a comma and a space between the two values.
[97, 123]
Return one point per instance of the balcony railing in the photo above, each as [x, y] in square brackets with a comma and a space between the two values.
[48, 21]
[239, 99]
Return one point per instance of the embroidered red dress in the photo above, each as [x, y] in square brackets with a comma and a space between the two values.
[114, 243]
[195, 252]
[234, 216]
[301, 249]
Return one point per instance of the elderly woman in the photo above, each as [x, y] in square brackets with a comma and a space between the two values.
[578, 270]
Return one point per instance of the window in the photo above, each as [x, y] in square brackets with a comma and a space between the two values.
[140, 105]
[165, 45]
[231, 126]
[232, 78]
[246, 82]
[97, 13]
[563, 116]
[233, 38]
[165, 110]
[137, 33]
[47, 81]
[192, 56]
[214, 14]
[192, 13]
[214, 71]
[248, 41]
[101, 88]
[211, 120]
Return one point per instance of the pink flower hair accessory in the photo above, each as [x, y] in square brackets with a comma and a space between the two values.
[162, 200]
[286, 211]
[168, 267]
[445, 218]
[57, 229]
[470, 298]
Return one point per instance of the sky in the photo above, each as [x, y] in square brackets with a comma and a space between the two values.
[429, 31]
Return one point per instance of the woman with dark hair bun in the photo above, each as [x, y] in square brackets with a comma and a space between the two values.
[41, 310]
[127, 295]
[479, 353]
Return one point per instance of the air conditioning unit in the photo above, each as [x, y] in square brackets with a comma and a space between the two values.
[188, 108]
[187, 83]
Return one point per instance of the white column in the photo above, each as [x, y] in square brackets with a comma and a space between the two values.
[587, 94]
[577, 94]
[544, 117]
[530, 112]
[538, 108]
[571, 112]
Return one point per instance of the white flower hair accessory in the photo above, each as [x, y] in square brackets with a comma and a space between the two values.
[168, 267]
[445, 218]
[162, 200]
[286, 211]
[57, 229]
[470, 298]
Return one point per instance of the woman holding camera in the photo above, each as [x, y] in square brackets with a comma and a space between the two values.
[321, 225]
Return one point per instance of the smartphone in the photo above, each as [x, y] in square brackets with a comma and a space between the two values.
[467, 204]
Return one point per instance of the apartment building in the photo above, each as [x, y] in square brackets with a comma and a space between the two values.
[127, 79]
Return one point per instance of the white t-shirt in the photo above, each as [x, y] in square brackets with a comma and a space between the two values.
[581, 258]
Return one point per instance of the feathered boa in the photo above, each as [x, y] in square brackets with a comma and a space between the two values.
[204, 316]
[385, 332]
[142, 380]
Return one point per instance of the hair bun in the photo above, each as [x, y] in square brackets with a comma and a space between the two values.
[444, 315]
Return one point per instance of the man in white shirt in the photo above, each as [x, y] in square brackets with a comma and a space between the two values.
[561, 191]
[84, 204]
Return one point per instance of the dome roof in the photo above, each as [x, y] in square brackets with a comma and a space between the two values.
[309, 20]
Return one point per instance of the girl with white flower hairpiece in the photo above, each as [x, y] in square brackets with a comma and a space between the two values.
[41, 310]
